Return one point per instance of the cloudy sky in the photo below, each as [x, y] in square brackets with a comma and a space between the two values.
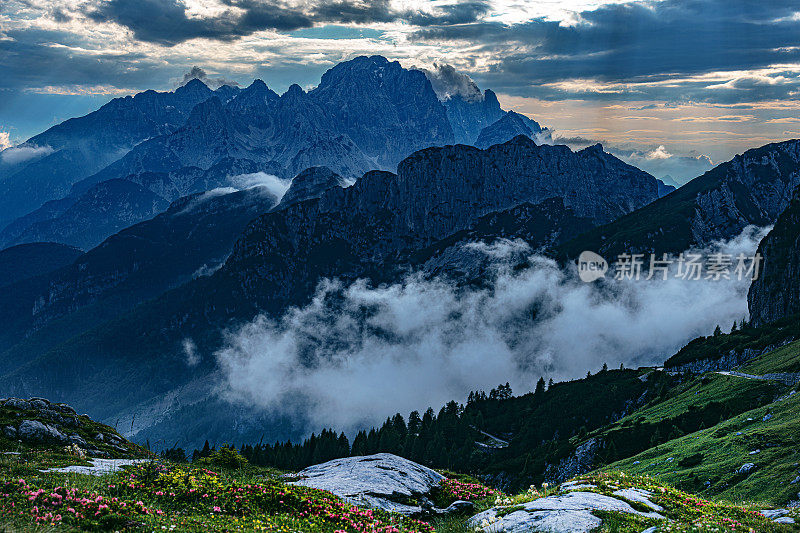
[671, 85]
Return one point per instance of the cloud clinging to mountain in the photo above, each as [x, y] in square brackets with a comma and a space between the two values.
[359, 353]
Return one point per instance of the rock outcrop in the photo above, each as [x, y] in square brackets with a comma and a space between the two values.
[309, 184]
[38, 423]
[562, 513]
[380, 481]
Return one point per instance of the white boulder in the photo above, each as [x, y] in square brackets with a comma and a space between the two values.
[565, 513]
[381, 481]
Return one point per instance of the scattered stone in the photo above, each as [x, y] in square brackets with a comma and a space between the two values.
[746, 468]
[795, 480]
[767, 417]
[638, 495]
[35, 431]
[774, 513]
[10, 432]
[17, 403]
[784, 520]
[457, 507]
[566, 513]
[576, 485]
[375, 481]
[754, 452]
[100, 467]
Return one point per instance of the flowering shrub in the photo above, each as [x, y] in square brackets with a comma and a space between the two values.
[69, 505]
[460, 490]
[688, 513]
[183, 498]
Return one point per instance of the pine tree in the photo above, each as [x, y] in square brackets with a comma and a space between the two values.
[414, 422]
[539, 388]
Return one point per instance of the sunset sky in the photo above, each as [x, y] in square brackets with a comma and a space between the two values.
[673, 86]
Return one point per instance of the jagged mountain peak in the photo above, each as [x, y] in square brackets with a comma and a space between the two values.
[596, 148]
[258, 89]
[258, 83]
[311, 183]
[490, 96]
[510, 126]
[193, 87]
[294, 91]
[368, 72]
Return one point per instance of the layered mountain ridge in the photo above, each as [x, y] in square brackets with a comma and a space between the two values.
[367, 113]
[82, 146]
[375, 228]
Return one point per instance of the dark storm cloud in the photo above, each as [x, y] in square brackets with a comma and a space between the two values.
[460, 13]
[28, 59]
[381, 11]
[167, 22]
[642, 43]
[356, 12]
[197, 73]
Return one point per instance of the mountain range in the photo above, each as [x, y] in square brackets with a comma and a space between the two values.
[201, 210]
[367, 113]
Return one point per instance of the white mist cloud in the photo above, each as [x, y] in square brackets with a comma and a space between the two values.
[20, 154]
[448, 82]
[5, 140]
[275, 185]
[203, 197]
[190, 352]
[359, 353]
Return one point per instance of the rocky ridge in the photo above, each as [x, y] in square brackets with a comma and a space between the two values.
[38, 423]
[776, 292]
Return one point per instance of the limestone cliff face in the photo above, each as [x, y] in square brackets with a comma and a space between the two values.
[469, 116]
[375, 226]
[754, 188]
[751, 189]
[311, 183]
[440, 190]
[776, 292]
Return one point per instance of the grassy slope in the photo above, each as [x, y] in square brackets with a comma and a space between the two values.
[784, 359]
[181, 497]
[724, 448]
[706, 461]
